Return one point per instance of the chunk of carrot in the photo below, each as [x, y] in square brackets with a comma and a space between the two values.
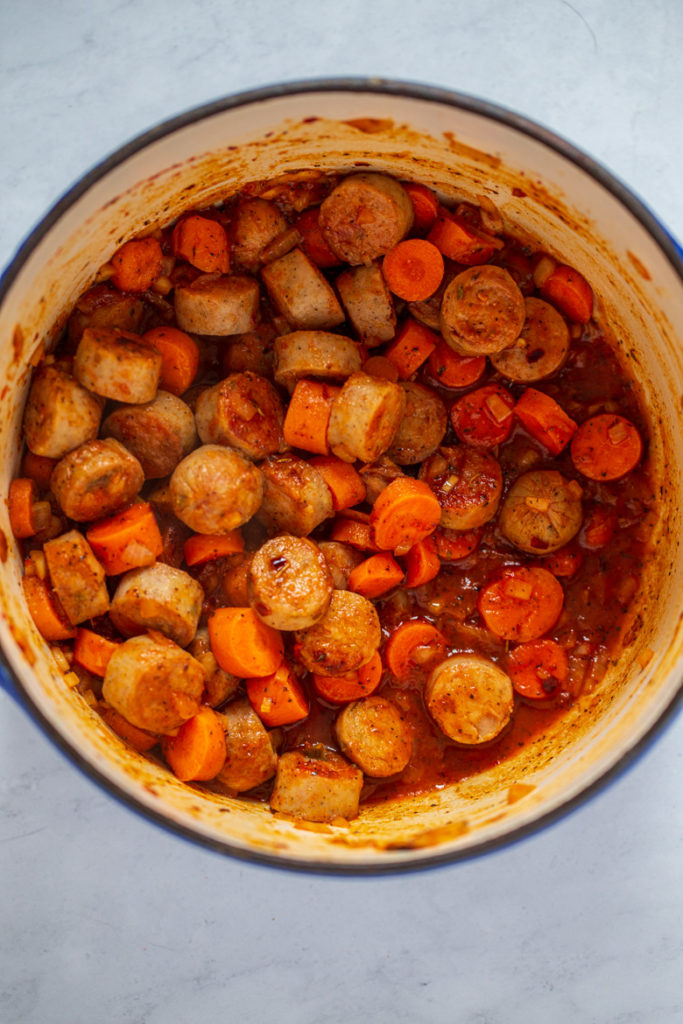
[50, 622]
[344, 481]
[538, 668]
[308, 416]
[460, 241]
[413, 344]
[127, 540]
[422, 562]
[244, 645]
[452, 545]
[543, 418]
[198, 750]
[570, 292]
[204, 547]
[375, 576]
[138, 739]
[279, 698]
[425, 205]
[606, 447]
[354, 532]
[521, 603]
[405, 512]
[38, 468]
[203, 243]
[413, 269]
[381, 368]
[453, 370]
[23, 494]
[137, 264]
[179, 357]
[412, 645]
[351, 685]
[93, 651]
[313, 242]
[483, 418]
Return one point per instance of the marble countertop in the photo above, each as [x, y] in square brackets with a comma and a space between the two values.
[106, 918]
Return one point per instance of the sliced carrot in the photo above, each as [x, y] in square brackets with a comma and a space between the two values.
[38, 468]
[203, 243]
[413, 645]
[565, 561]
[203, 547]
[422, 562]
[405, 512]
[452, 545]
[138, 739]
[127, 540]
[460, 241]
[413, 344]
[243, 645]
[453, 370]
[93, 651]
[521, 603]
[380, 367]
[543, 418]
[352, 685]
[314, 244]
[425, 205]
[599, 527]
[570, 292]
[345, 483]
[351, 531]
[198, 750]
[308, 416]
[413, 269]
[278, 699]
[23, 495]
[606, 447]
[538, 668]
[483, 418]
[375, 576]
[137, 264]
[50, 622]
[179, 357]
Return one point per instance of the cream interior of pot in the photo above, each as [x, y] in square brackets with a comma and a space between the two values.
[541, 195]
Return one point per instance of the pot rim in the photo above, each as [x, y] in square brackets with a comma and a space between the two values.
[380, 86]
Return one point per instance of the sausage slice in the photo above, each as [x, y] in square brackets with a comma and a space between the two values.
[319, 354]
[296, 498]
[345, 638]
[77, 577]
[254, 225]
[96, 479]
[118, 365]
[368, 303]
[542, 511]
[290, 585]
[482, 311]
[158, 433]
[60, 413]
[215, 489]
[374, 735]
[316, 785]
[365, 216]
[300, 293]
[158, 597]
[251, 759]
[341, 560]
[470, 698]
[422, 427]
[365, 417]
[219, 685]
[223, 306]
[243, 411]
[468, 483]
[541, 348]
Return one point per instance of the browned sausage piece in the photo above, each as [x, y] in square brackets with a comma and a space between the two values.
[255, 224]
[290, 585]
[365, 417]
[468, 483]
[96, 479]
[365, 216]
[470, 698]
[368, 303]
[300, 293]
[296, 498]
[215, 489]
[541, 348]
[219, 685]
[251, 759]
[243, 411]
[101, 306]
[316, 788]
[236, 581]
[158, 597]
[158, 433]
[377, 475]
[250, 352]
[374, 735]
[60, 413]
[153, 683]
[320, 354]
[541, 512]
[77, 577]
[345, 638]
[223, 306]
[482, 311]
[118, 365]
[422, 428]
[341, 560]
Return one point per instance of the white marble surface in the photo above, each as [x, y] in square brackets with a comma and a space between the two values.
[105, 918]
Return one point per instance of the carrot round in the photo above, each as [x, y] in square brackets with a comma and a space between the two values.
[606, 447]
[308, 416]
[138, 739]
[48, 620]
[380, 367]
[452, 545]
[278, 699]
[204, 547]
[413, 645]
[352, 685]
[23, 495]
[375, 576]
[93, 651]
[354, 532]
[457, 240]
[413, 344]
[344, 481]
[198, 751]
[405, 512]
[203, 243]
[313, 242]
[453, 370]
[543, 418]
[422, 562]
[38, 468]
[538, 668]
[425, 205]
[413, 269]
[599, 526]
[484, 417]
[565, 561]
[521, 603]
[127, 540]
[137, 264]
[243, 645]
[570, 292]
[179, 357]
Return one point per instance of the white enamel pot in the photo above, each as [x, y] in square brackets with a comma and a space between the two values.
[546, 190]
